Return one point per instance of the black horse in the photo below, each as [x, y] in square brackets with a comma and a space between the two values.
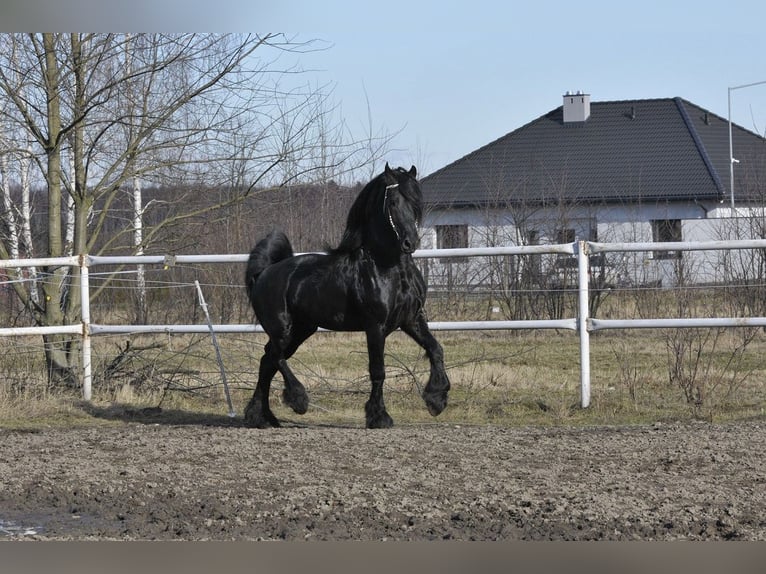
[368, 283]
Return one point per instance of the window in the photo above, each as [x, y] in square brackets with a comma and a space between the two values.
[565, 236]
[664, 231]
[532, 237]
[566, 261]
[451, 236]
[531, 265]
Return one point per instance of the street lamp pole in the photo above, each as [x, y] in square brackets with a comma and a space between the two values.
[732, 161]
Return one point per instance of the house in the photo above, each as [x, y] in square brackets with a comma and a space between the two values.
[649, 170]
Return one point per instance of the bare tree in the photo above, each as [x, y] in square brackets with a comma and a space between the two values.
[124, 110]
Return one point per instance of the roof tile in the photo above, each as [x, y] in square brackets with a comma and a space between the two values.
[626, 151]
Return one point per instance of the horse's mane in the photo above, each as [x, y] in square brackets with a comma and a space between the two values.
[370, 202]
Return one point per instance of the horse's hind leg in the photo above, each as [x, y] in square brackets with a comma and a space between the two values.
[258, 413]
[294, 394]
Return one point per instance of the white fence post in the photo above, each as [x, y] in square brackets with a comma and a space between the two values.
[583, 267]
[87, 376]
[203, 304]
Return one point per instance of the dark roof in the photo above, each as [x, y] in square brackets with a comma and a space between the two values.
[625, 152]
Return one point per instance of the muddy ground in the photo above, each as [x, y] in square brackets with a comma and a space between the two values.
[146, 479]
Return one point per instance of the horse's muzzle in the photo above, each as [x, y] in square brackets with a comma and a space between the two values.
[407, 246]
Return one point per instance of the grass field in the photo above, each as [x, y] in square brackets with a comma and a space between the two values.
[499, 378]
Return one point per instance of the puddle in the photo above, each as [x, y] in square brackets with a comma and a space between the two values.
[10, 529]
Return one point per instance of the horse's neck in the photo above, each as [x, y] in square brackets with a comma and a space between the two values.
[387, 261]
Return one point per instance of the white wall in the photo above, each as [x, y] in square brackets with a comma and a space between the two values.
[611, 224]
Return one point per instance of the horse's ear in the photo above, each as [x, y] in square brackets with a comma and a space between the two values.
[388, 169]
[413, 171]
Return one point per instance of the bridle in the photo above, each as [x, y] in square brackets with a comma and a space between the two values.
[387, 210]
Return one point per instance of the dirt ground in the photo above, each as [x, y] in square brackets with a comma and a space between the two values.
[146, 479]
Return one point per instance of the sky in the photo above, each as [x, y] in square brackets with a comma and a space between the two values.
[446, 78]
[452, 79]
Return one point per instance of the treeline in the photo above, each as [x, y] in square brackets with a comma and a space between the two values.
[312, 215]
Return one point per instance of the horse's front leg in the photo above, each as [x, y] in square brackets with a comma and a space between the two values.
[437, 389]
[375, 409]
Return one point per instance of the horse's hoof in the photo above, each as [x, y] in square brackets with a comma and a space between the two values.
[298, 400]
[261, 423]
[376, 415]
[258, 420]
[380, 421]
[435, 403]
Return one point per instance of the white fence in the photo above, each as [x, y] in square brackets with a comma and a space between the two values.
[582, 323]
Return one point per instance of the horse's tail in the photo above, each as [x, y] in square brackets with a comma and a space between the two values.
[269, 250]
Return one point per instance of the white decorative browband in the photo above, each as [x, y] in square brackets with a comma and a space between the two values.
[388, 211]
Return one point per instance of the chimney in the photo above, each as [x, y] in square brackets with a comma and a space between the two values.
[576, 107]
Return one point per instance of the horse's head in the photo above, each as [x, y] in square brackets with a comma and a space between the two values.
[384, 217]
[402, 207]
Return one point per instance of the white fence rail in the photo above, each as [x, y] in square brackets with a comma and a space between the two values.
[582, 323]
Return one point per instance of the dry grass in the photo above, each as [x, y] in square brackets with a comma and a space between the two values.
[499, 378]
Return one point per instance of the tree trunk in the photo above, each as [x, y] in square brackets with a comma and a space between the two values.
[138, 241]
[56, 346]
[26, 225]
